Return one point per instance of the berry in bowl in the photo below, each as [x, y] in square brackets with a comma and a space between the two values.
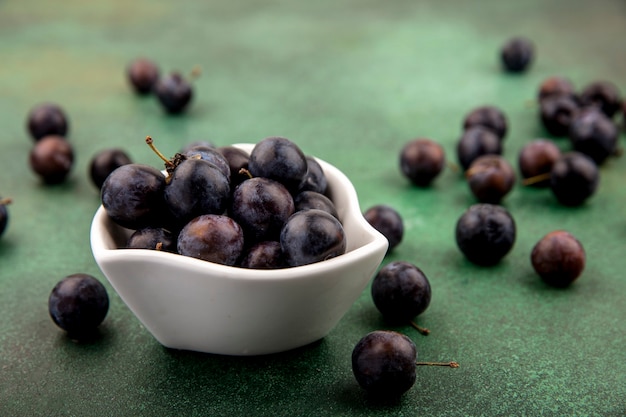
[243, 267]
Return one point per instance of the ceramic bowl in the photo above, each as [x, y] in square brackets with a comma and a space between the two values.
[191, 304]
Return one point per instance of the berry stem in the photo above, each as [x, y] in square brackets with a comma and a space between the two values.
[536, 179]
[150, 143]
[245, 172]
[449, 364]
[420, 329]
[196, 71]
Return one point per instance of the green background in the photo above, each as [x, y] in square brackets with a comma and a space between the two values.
[350, 81]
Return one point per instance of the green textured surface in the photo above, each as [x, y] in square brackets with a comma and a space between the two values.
[350, 81]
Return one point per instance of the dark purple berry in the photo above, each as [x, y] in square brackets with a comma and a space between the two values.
[211, 155]
[401, 291]
[306, 200]
[388, 222]
[264, 255]
[154, 238]
[4, 214]
[213, 238]
[132, 196]
[279, 159]
[477, 141]
[47, 119]
[489, 117]
[261, 206]
[104, 162]
[490, 178]
[485, 233]
[574, 178]
[556, 113]
[312, 236]
[314, 179]
[603, 95]
[383, 363]
[535, 161]
[517, 54]
[237, 162]
[421, 160]
[142, 75]
[594, 134]
[78, 304]
[52, 158]
[558, 258]
[174, 93]
[555, 86]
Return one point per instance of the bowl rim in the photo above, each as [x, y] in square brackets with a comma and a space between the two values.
[103, 253]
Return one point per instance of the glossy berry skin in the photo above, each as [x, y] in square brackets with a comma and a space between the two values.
[52, 158]
[196, 187]
[104, 162]
[477, 141]
[517, 54]
[306, 200]
[558, 258]
[388, 222]
[557, 113]
[537, 158]
[173, 92]
[142, 74]
[383, 363]
[261, 206]
[594, 134]
[47, 119]
[211, 155]
[489, 117]
[490, 178]
[154, 238]
[314, 179]
[264, 255]
[603, 95]
[485, 233]
[237, 161]
[555, 86]
[574, 178]
[401, 291]
[78, 304]
[132, 196]
[311, 236]
[422, 160]
[213, 238]
[279, 159]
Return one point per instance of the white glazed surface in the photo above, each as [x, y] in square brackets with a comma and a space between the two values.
[190, 304]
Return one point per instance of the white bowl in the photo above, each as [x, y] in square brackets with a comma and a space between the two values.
[191, 304]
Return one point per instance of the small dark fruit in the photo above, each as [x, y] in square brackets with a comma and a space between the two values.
[314, 179]
[477, 141]
[556, 86]
[279, 159]
[47, 119]
[556, 113]
[142, 75]
[594, 134]
[154, 238]
[422, 160]
[264, 255]
[401, 291]
[517, 54]
[485, 233]
[237, 162]
[535, 161]
[52, 158]
[4, 214]
[604, 95]
[306, 200]
[574, 178]
[388, 222]
[490, 178]
[489, 117]
[78, 304]
[213, 238]
[104, 162]
[174, 92]
[558, 258]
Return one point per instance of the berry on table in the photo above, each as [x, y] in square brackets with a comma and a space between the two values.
[490, 178]
[78, 304]
[104, 162]
[558, 258]
[142, 74]
[47, 119]
[421, 160]
[477, 141]
[574, 178]
[556, 86]
[517, 54]
[174, 92]
[485, 233]
[603, 95]
[535, 161]
[52, 158]
[388, 222]
[594, 134]
[557, 112]
[490, 117]
[4, 214]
